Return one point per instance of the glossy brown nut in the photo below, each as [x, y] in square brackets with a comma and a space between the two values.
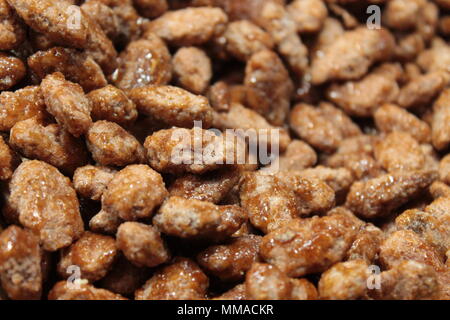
[91, 181]
[80, 290]
[192, 69]
[9, 160]
[12, 71]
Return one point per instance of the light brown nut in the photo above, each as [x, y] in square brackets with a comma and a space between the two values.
[236, 293]
[12, 30]
[99, 47]
[298, 156]
[172, 105]
[105, 222]
[267, 282]
[134, 192]
[20, 105]
[212, 187]
[309, 15]
[180, 150]
[379, 196]
[356, 155]
[274, 18]
[350, 55]
[436, 58]
[309, 245]
[49, 143]
[389, 118]
[339, 179]
[20, 264]
[440, 130]
[91, 181]
[112, 104]
[192, 69]
[268, 201]
[59, 20]
[124, 278]
[110, 144]
[219, 96]
[439, 189]
[103, 15]
[198, 220]
[430, 227]
[367, 244]
[421, 90]
[340, 119]
[409, 280]
[253, 125]
[190, 26]
[141, 244]
[80, 290]
[313, 195]
[243, 39]
[439, 209]
[66, 101]
[363, 97]
[182, 280]
[403, 14]
[409, 46]
[12, 71]
[399, 151]
[444, 169]
[406, 245]
[268, 86]
[345, 281]
[143, 62]
[9, 160]
[93, 253]
[46, 203]
[74, 65]
[151, 8]
[230, 261]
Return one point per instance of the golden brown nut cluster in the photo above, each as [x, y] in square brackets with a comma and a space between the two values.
[224, 149]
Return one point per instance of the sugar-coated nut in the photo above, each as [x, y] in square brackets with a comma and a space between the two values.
[192, 69]
[379, 196]
[20, 105]
[219, 96]
[105, 222]
[111, 104]
[144, 62]
[93, 253]
[110, 144]
[12, 71]
[55, 19]
[80, 290]
[66, 101]
[46, 203]
[345, 281]
[198, 220]
[389, 118]
[444, 169]
[181, 280]
[9, 160]
[267, 282]
[180, 150]
[172, 105]
[408, 280]
[12, 30]
[91, 181]
[367, 243]
[190, 26]
[309, 15]
[399, 151]
[305, 246]
[244, 38]
[134, 192]
[212, 186]
[141, 244]
[298, 156]
[439, 189]
[230, 261]
[236, 293]
[103, 15]
[268, 201]
[151, 8]
[268, 86]
[20, 264]
[74, 65]
[50, 143]
[440, 131]
[351, 54]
